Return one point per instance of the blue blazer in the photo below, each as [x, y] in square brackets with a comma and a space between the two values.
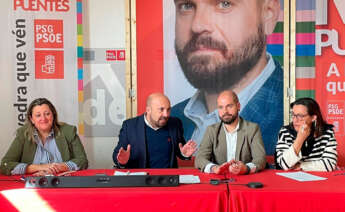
[133, 132]
[265, 108]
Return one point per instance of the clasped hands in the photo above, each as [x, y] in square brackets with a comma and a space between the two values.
[187, 150]
[233, 167]
[50, 169]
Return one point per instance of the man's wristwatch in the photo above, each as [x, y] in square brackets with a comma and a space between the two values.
[248, 170]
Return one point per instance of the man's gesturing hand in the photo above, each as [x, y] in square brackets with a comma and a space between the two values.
[123, 155]
[188, 149]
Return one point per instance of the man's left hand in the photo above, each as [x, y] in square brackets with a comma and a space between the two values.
[188, 149]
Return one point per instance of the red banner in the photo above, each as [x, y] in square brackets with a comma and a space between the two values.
[329, 65]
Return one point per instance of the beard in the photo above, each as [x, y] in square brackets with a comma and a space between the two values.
[230, 118]
[161, 122]
[206, 73]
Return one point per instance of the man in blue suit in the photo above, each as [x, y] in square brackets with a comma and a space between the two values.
[221, 45]
[154, 139]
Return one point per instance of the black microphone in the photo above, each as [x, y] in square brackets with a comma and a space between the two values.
[255, 185]
[250, 184]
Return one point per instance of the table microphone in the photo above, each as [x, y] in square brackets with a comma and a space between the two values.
[250, 184]
[254, 185]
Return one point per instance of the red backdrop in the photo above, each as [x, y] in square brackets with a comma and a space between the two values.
[149, 50]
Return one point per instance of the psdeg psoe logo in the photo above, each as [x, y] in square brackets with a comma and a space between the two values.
[48, 33]
[49, 64]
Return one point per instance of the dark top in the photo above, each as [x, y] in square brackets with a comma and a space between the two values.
[158, 147]
[133, 132]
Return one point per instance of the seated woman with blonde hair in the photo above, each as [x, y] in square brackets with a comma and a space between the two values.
[43, 146]
[308, 142]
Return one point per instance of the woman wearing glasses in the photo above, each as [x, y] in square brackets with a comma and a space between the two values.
[43, 146]
[308, 142]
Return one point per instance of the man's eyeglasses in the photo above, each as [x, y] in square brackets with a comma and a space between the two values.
[298, 116]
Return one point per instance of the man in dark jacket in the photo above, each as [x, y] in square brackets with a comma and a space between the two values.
[154, 139]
